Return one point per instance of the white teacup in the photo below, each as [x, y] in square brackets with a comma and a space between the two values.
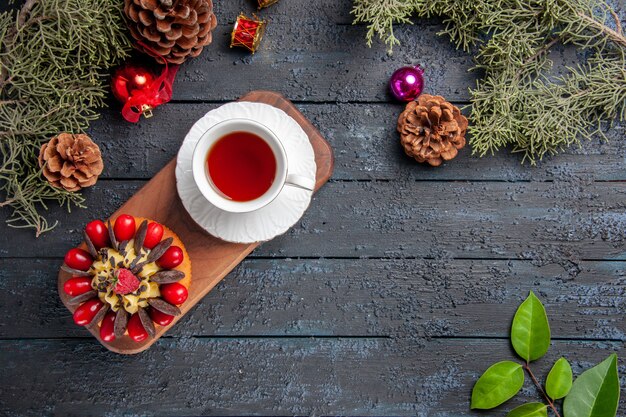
[210, 191]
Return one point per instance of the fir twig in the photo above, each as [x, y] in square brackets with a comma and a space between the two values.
[54, 56]
[618, 23]
[380, 16]
[615, 36]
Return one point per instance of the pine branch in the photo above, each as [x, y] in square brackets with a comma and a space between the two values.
[48, 86]
[24, 12]
[381, 16]
[615, 36]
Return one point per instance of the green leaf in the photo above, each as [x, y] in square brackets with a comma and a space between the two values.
[559, 380]
[499, 383]
[529, 410]
[595, 393]
[530, 332]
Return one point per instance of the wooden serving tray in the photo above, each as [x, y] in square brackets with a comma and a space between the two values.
[211, 258]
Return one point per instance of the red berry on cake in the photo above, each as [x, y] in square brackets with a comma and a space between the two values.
[174, 293]
[85, 313]
[159, 318]
[97, 231]
[126, 282]
[153, 235]
[107, 328]
[136, 331]
[78, 259]
[171, 258]
[77, 286]
[124, 227]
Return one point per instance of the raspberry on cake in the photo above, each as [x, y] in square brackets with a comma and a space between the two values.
[126, 276]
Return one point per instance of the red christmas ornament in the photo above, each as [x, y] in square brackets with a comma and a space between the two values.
[141, 89]
[247, 32]
[129, 79]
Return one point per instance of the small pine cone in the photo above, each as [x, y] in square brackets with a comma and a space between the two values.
[71, 161]
[432, 130]
[176, 29]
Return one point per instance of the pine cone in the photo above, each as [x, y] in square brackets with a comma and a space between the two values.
[71, 161]
[176, 29]
[432, 130]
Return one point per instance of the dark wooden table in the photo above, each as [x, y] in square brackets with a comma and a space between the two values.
[391, 295]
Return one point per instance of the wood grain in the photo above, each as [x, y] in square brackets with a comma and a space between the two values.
[265, 376]
[560, 221]
[365, 144]
[420, 267]
[212, 259]
[355, 297]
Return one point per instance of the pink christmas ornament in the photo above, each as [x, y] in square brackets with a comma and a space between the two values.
[407, 83]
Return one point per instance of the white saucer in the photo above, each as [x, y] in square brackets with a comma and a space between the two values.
[279, 215]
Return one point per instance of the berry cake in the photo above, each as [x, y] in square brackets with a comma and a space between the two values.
[126, 277]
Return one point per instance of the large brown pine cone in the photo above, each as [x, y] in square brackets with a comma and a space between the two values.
[432, 130]
[71, 161]
[176, 29]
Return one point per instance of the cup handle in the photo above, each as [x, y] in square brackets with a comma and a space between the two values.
[300, 182]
